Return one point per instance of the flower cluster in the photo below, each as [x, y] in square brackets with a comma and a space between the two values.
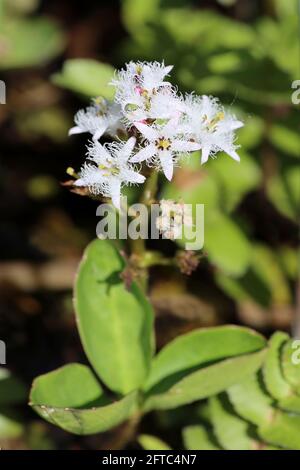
[150, 124]
[173, 216]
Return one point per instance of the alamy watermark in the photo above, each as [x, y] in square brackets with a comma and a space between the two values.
[2, 92]
[296, 353]
[296, 93]
[2, 352]
[166, 220]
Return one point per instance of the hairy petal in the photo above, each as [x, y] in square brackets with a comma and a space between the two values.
[144, 154]
[185, 146]
[166, 161]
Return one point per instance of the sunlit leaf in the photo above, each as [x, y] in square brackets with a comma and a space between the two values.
[87, 77]
[72, 399]
[203, 383]
[250, 400]
[115, 324]
[197, 437]
[149, 442]
[232, 432]
[21, 40]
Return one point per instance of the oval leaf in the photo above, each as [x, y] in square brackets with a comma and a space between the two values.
[205, 382]
[87, 77]
[149, 442]
[273, 377]
[232, 432]
[72, 399]
[197, 437]
[250, 400]
[115, 324]
[200, 347]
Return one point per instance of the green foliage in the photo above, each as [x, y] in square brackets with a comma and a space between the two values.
[252, 65]
[261, 410]
[21, 40]
[116, 328]
[197, 436]
[86, 77]
[216, 54]
[12, 392]
[149, 442]
[225, 242]
[72, 398]
[113, 322]
[251, 390]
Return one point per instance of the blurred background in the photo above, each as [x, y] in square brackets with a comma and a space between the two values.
[246, 52]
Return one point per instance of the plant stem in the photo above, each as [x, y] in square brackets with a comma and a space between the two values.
[150, 190]
[138, 246]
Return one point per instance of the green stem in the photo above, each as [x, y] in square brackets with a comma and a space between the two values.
[138, 246]
[150, 189]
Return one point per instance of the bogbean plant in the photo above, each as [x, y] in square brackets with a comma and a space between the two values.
[148, 128]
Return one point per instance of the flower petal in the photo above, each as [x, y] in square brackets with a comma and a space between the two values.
[147, 131]
[99, 132]
[115, 191]
[76, 130]
[127, 148]
[205, 154]
[144, 154]
[232, 153]
[134, 177]
[166, 161]
[185, 146]
[170, 128]
[97, 152]
[236, 125]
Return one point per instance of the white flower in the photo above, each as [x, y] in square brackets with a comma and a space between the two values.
[109, 169]
[144, 75]
[140, 88]
[165, 105]
[99, 118]
[163, 146]
[209, 124]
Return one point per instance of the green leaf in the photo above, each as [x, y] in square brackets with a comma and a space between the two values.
[22, 40]
[247, 177]
[267, 268]
[250, 400]
[193, 185]
[226, 244]
[285, 139]
[251, 135]
[291, 365]
[289, 259]
[87, 77]
[290, 403]
[264, 283]
[272, 372]
[136, 14]
[10, 425]
[149, 442]
[73, 385]
[198, 437]
[71, 398]
[201, 347]
[231, 431]
[284, 192]
[115, 324]
[12, 391]
[205, 382]
[282, 429]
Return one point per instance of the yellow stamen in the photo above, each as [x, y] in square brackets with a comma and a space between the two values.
[163, 144]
